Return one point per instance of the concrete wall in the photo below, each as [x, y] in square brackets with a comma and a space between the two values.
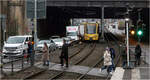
[15, 13]
[16, 22]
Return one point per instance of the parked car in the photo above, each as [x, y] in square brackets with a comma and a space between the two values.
[16, 45]
[50, 44]
[58, 42]
[53, 46]
[68, 40]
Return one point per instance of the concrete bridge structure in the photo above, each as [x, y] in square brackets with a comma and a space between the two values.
[99, 3]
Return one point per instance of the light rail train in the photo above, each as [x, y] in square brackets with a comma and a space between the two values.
[91, 32]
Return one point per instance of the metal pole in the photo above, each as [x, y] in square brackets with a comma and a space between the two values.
[139, 18]
[35, 33]
[102, 22]
[127, 37]
[4, 28]
[1, 32]
[35, 24]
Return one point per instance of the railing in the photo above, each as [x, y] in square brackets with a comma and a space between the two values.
[14, 60]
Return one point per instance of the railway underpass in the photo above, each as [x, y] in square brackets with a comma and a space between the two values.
[85, 59]
[59, 13]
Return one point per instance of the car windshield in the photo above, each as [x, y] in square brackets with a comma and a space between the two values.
[91, 28]
[58, 40]
[71, 33]
[42, 42]
[14, 40]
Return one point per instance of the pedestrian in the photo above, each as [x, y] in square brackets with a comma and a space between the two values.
[107, 60]
[45, 55]
[112, 52]
[29, 51]
[138, 52]
[64, 54]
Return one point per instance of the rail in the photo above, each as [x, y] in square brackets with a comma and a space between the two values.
[13, 59]
[99, 61]
[117, 42]
[78, 62]
[31, 76]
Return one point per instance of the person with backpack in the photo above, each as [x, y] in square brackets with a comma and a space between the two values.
[107, 61]
[112, 52]
[138, 52]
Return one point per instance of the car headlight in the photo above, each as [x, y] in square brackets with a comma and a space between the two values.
[18, 51]
[20, 47]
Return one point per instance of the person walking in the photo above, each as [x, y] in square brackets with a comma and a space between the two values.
[64, 54]
[112, 52]
[45, 55]
[138, 52]
[107, 60]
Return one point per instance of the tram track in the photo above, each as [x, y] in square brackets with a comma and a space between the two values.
[44, 72]
[36, 73]
[47, 74]
[15, 61]
[60, 74]
[116, 44]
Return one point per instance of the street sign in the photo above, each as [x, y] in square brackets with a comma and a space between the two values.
[41, 9]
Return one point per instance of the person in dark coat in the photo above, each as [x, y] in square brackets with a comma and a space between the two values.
[64, 54]
[138, 54]
[112, 52]
[29, 51]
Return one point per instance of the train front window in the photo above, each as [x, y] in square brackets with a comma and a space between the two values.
[91, 29]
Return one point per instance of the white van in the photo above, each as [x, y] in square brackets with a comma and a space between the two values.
[16, 45]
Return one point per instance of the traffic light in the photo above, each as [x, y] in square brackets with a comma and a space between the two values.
[139, 32]
[132, 32]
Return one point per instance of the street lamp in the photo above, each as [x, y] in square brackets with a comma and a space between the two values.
[127, 37]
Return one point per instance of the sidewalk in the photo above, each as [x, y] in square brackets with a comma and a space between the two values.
[141, 72]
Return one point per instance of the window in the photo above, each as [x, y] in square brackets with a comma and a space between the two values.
[14, 40]
[91, 29]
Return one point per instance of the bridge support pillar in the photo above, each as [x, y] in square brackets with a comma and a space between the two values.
[102, 23]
